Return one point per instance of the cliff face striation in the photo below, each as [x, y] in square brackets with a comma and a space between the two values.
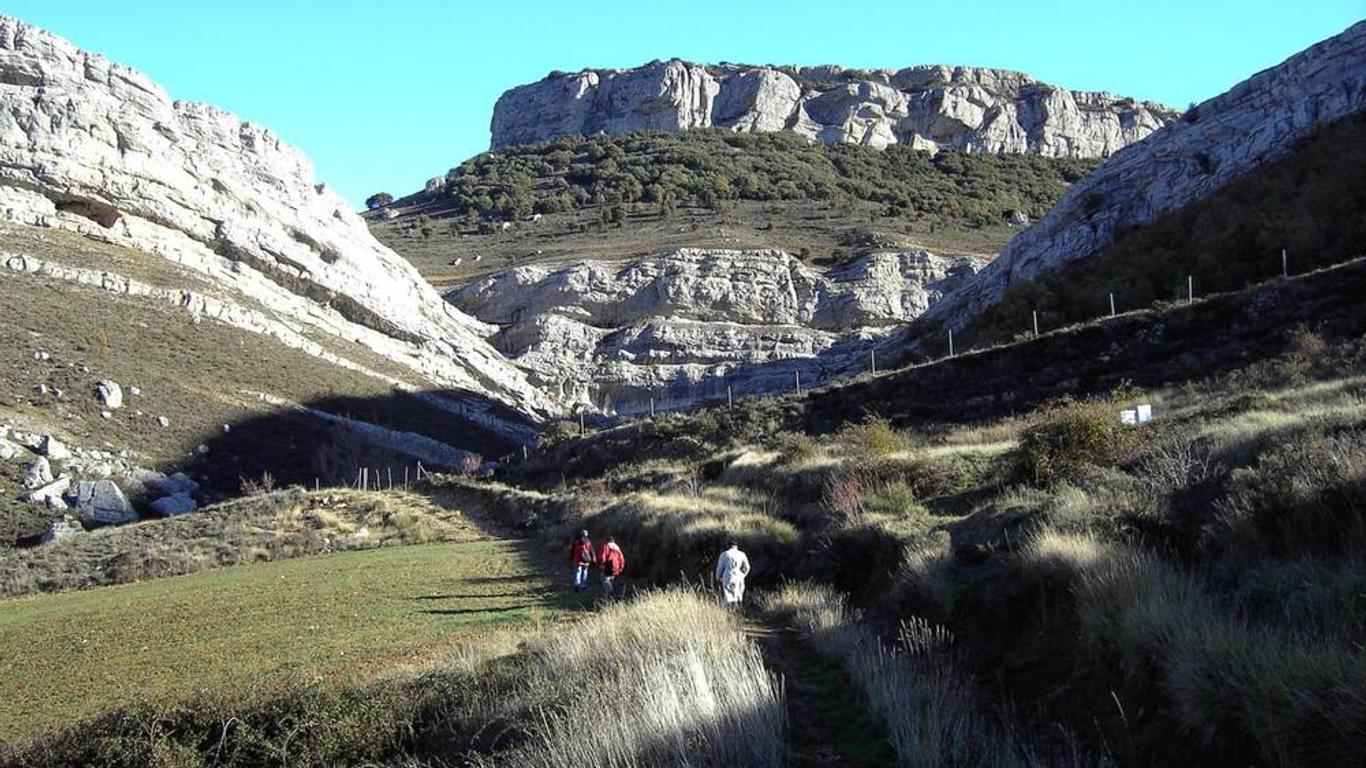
[94, 147]
[681, 326]
[928, 107]
[1214, 143]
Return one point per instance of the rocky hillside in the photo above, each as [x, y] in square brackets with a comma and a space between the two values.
[927, 107]
[188, 313]
[682, 326]
[96, 148]
[1214, 144]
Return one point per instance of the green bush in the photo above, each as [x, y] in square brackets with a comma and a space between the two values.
[1064, 439]
[873, 439]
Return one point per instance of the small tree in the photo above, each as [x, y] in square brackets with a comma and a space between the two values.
[378, 200]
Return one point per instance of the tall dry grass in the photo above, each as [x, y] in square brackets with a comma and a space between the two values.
[916, 687]
[665, 680]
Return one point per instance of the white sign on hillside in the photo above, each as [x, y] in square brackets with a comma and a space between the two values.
[1140, 415]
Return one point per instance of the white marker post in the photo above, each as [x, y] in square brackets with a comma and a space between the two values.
[1036, 323]
[872, 360]
[652, 407]
[730, 398]
[583, 429]
[799, 383]
[1190, 289]
[1112, 305]
[1285, 264]
[950, 342]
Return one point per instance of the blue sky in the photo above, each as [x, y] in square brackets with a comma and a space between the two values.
[384, 95]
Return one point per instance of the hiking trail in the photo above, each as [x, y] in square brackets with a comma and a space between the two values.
[829, 723]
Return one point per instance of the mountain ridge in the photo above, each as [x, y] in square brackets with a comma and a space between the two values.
[926, 106]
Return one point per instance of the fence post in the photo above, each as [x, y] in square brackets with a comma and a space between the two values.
[799, 383]
[872, 359]
[583, 429]
[1036, 323]
[1285, 264]
[390, 472]
[1190, 288]
[652, 406]
[405, 477]
[950, 342]
[1112, 305]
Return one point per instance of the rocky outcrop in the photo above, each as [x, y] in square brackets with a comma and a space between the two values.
[94, 147]
[1217, 141]
[929, 107]
[683, 325]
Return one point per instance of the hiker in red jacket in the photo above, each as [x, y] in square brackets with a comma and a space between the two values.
[582, 558]
[612, 561]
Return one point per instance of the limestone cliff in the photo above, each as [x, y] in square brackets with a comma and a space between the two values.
[1216, 142]
[94, 147]
[929, 107]
[680, 326]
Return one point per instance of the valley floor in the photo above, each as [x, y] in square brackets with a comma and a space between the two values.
[242, 632]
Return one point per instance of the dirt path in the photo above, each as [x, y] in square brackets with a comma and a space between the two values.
[828, 721]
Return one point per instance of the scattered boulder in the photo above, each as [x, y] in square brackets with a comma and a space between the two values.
[64, 528]
[1017, 219]
[135, 391]
[163, 421]
[54, 449]
[110, 393]
[51, 494]
[174, 505]
[179, 483]
[101, 502]
[39, 473]
[8, 450]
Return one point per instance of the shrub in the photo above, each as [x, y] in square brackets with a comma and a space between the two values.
[794, 447]
[1063, 439]
[378, 200]
[873, 438]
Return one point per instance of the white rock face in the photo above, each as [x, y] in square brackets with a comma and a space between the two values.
[95, 147]
[929, 107]
[683, 324]
[1221, 139]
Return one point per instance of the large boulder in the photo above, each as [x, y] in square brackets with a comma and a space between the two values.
[54, 449]
[51, 494]
[110, 394]
[174, 505]
[39, 473]
[8, 450]
[101, 502]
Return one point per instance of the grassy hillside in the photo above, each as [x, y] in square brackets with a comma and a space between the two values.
[614, 196]
[1065, 589]
[1310, 203]
[243, 631]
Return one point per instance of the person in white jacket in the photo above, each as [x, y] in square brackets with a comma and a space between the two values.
[731, 569]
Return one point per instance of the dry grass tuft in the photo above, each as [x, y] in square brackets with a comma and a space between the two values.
[665, 680]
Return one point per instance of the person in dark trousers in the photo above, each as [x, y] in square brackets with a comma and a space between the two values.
[582, 557]
[612, 561]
